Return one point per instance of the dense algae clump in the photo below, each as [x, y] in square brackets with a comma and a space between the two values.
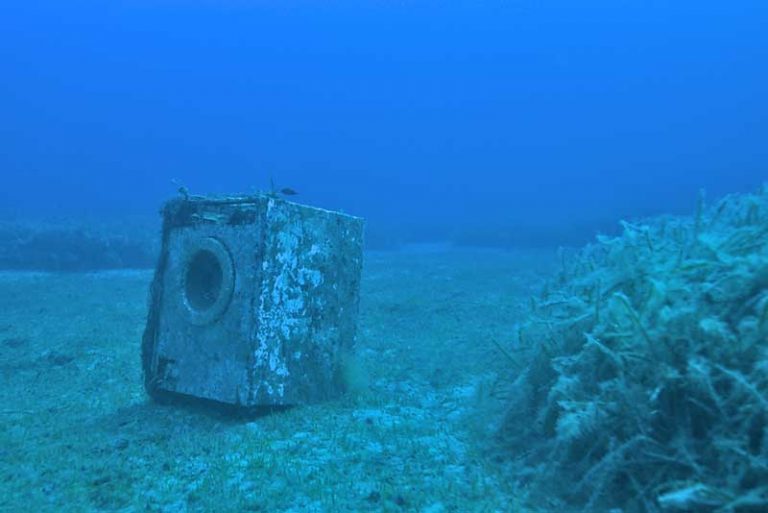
[645, 369]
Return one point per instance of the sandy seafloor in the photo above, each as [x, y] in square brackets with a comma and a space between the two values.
[78, 433]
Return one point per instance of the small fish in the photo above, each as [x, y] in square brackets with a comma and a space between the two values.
[287, 191]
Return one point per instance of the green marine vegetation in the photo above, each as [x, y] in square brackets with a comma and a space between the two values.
[69, 246]
[644, 369]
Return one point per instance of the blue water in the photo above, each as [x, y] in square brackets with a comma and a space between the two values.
[510, 122]
[635, 379]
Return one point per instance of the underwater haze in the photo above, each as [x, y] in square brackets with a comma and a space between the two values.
[537, 281]
[490, 123]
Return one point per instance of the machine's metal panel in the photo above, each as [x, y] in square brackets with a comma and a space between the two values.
[307, 306]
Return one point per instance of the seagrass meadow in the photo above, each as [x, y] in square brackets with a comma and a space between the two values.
[630, 375]
[644, 367]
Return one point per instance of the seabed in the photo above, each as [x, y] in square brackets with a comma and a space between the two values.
[415, 432]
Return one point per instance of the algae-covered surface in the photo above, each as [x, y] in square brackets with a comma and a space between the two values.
[644, 369]
[78, 433]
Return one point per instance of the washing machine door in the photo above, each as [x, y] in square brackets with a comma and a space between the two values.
[205, 318]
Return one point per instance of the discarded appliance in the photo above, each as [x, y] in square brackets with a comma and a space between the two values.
[254, 301]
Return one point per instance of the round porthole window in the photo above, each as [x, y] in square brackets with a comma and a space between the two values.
[208, 280]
